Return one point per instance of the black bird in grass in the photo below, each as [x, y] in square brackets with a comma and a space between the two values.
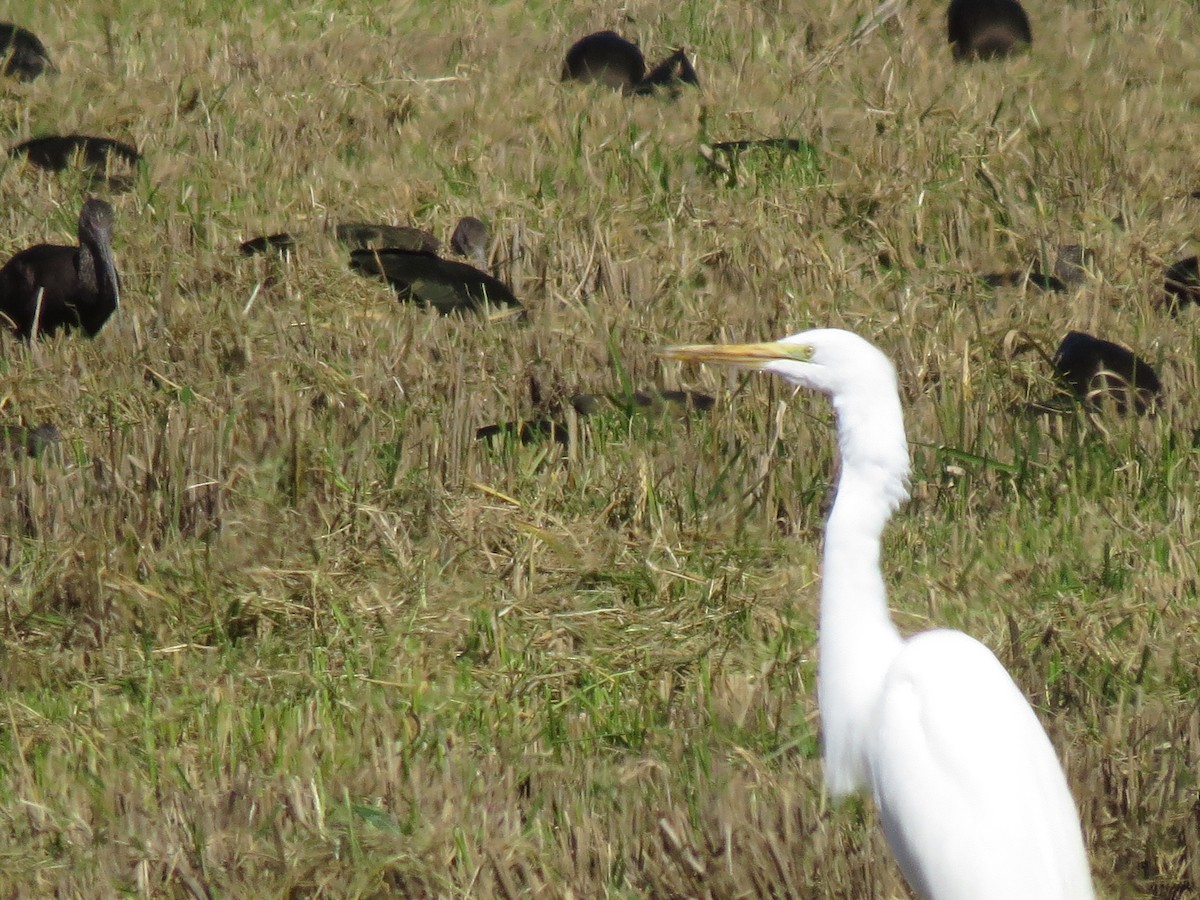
[49, 287]
[283, 241]
[444, 284]
[1096, 369]
[987, 29]
[1072, 263]
[1021, 278]
[18, 440]
[1182, 284]
[110, 162]
[55, 151]
[532, 432]
[548, 423]
[607, 57]
[353, 234]
[24, 56]
[418, 274]
[667, 399]
[673, 71]
[406, 237]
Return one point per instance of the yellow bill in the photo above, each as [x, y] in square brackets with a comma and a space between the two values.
[748, 356]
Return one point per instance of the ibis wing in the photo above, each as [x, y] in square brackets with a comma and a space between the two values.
[444, 284]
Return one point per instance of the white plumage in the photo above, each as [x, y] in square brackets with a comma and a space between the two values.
[973, 800]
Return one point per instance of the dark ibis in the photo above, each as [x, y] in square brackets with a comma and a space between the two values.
[1095, 369]
[404, 237]
[1182, 284]
[607, 57]
[48, 288]
[444, 284]
[24, 56]
[1021, 278]
[1072, 264]
[18, 440]
[356, 235]
[532, 432]
[111, 163]
[283, 242]
[987, 29]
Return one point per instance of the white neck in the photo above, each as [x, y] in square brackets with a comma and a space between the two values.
[857, 638]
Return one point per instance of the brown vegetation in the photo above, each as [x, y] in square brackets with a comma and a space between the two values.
[274, 622]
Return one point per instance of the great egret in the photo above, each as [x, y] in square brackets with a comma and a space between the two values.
[973, 800]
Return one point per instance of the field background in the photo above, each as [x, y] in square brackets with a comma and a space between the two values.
[276, 624]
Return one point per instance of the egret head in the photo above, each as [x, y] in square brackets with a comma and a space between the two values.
[834, 362]
[859, 379]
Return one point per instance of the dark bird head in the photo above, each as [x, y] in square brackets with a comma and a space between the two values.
[1073, 263]
[673, 71]
[470, 239]
[96, 220]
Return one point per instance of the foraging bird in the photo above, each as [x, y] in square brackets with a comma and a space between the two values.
[1182, 284]
[357, 235]
[1095, 369]
[973, 800]
[987, 29]
[606, 56]
[405, 237]
[48, 287]
[284, 242]
[21, 440]
[1072, 263]
[24, 56]
[110, 163]
[444, 284]
[1020, 278]
[673, 71]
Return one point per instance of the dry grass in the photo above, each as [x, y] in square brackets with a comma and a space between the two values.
[275, 624]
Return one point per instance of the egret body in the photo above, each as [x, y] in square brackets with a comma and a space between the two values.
[972, 797]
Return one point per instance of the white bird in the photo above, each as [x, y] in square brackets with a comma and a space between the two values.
[973, 800]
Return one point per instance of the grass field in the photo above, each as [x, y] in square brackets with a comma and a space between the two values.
[276, 624]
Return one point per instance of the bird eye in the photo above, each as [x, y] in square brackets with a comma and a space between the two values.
[801, 352]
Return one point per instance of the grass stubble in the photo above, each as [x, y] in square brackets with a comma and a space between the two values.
[275, 624]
